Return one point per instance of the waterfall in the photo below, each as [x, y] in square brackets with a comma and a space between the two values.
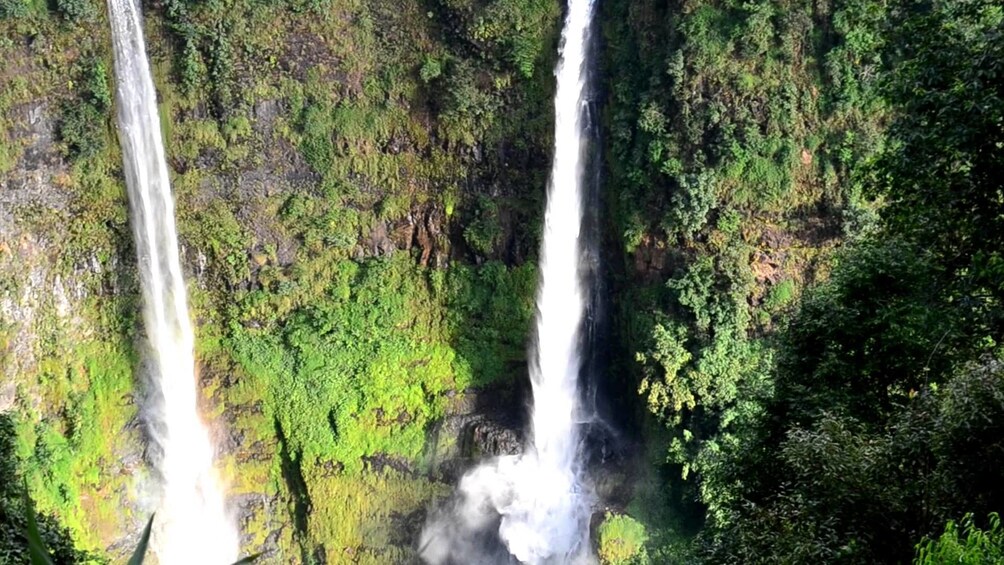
[191, 523]
[538, 499]
[547, 516]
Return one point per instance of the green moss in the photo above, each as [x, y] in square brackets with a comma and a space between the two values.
[16, 92]
[780, 295]
[363, 366]
[67, 452]
[360, 518]
[21, 9]
[621, 540]
[488, 314]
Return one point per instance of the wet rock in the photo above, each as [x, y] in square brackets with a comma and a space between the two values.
[489, 438]
[478, 424]
[32, 182]
[381, 461]
[653, 259]
[407, 527]
[63, 306]
[612, 483]
[427, 236]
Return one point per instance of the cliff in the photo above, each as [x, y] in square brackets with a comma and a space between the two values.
[359, 189]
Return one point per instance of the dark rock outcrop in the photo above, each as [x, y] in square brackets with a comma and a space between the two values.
[490, 438]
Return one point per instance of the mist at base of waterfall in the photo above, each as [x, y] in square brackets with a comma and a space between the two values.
[513, 509]
[537, 503]
[192, 523]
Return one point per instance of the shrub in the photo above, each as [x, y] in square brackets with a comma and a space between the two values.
[484, 232]
[316, 145]
[469, 109]
[622, 540]
[237, 128]
[780, 295]
[77, 10]
[431, 69]
[16, 510]
[968, 545]
[11, 9]
[316, 6]
[96, 90]
[82, 130]
[693, 199]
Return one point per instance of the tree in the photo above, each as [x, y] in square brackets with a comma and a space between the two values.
[943, 172]
[15, 513]
[888, 411]
[968, 545]
[622, 540]
[11, 9]
[77, 10]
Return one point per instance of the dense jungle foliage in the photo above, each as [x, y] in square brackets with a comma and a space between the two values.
[804, 225]
[848, 424]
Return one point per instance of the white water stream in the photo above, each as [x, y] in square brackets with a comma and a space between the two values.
[191, 525]
[540, 497]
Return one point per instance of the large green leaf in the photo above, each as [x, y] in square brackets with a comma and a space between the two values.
[140, 553]
[37, 550]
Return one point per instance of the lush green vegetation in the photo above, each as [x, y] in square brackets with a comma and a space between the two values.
[84, 123]
[64, 454]
[968, 544]
[363, 369]
[18, 517]
[734, 130]
[340, 300]
[870, 418]
[68, 352]
[804, 203]
[621, 540]
[328, 157]
[732, 148]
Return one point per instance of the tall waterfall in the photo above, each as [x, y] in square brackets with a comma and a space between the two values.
[538, 499]
[191, 523]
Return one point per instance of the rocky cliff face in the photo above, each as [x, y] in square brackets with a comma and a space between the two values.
[344, 170]
[359, 187]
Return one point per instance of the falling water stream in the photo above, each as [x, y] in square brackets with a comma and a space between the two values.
[538, 498]
[191, 525]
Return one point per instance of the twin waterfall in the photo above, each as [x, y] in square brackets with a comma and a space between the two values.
[537, 499]
[191, 525]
